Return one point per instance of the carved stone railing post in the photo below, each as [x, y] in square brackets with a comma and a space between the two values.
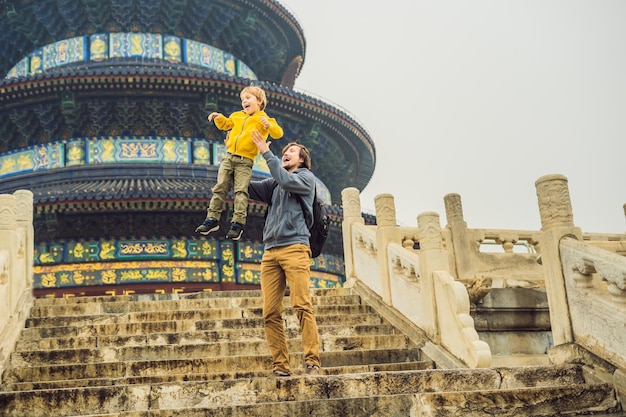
[432, 258]
[557, 221]
[8, 259]
[351, 201]
[386, 232]
[25, 225]
[461, 245]
[8, 245]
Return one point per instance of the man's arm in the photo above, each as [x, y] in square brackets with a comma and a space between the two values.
[260, 190]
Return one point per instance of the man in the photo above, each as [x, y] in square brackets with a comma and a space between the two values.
[286, 259]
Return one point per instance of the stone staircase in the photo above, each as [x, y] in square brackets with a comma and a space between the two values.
[205, 354]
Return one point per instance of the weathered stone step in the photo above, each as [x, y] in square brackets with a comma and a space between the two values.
[158, 297]
[76, 341]
[180, 326]
[458, 392]
[521, 402]
[291, 321]
[314, 292]
[222, 376]
[139, 328]
[120, 307]
[205, 365]
[173, 315]
[197, 350]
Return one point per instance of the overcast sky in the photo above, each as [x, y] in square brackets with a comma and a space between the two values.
[479, 98]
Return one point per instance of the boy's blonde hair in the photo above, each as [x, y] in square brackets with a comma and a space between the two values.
[258, 92]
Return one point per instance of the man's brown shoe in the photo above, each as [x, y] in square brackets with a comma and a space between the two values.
[277, 372]
[312, 370]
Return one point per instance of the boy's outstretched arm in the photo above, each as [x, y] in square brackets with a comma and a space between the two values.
[213, 116]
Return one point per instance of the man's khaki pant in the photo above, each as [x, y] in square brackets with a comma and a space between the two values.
[279, 267]
[234, 170]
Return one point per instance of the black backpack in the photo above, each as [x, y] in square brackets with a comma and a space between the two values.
[320, 227]
[321, 223]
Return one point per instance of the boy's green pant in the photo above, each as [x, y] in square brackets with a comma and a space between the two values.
[234, 171]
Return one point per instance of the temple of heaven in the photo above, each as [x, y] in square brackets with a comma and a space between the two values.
[103, 116]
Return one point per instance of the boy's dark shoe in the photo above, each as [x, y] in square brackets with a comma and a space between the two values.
[235, 231]
[209, 225]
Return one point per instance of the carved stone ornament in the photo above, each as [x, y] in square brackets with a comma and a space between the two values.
[454, 208]
[385, 210]
[8, 210]
[581, 270]
[350, 198]
[24, 205]
[555, 207]
[615, 276]
[429, 230]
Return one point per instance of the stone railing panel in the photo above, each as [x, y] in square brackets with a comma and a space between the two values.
[9, 247]
[618, 246]
[365, 255]
[5, 274]
[509, 268]
[406, 290]
[4, 267]
[508, 239]
[25, 226]
[410, 237]
[16, 258]
[595, 281]
[472, 265]
[458, 334]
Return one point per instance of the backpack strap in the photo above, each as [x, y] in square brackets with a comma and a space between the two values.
[301, 201]
[274, 185]
[267, 210]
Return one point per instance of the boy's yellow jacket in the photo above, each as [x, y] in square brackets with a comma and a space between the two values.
[240, 125]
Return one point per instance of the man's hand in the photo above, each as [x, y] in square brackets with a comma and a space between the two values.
[260, 143]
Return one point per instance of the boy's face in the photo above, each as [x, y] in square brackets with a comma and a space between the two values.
[250, 103]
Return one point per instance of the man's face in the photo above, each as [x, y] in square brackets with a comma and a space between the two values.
[291, 158]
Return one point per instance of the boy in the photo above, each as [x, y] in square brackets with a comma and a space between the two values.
[236, 167]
